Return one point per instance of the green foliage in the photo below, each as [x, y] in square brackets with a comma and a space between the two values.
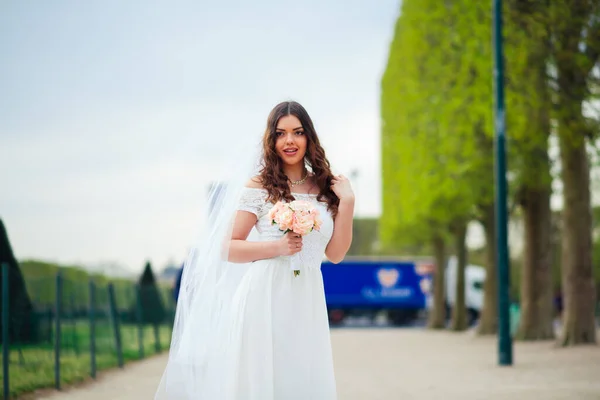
[40, 279]
[364, 236]
[437, 120]
[152, 304]
[437, 113]
[22, 323]
[528, 98]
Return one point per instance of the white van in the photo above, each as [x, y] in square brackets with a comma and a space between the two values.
[474, 278]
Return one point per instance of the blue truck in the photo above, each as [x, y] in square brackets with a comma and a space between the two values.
[401, 288]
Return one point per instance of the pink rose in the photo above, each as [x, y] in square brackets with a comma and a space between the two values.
[318, 222]
[285, 218]
[275, 210]
[303, 224]
[302, 207]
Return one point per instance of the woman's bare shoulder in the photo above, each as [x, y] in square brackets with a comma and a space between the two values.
[254, 183]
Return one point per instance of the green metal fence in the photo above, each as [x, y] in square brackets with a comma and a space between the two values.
[78, 329]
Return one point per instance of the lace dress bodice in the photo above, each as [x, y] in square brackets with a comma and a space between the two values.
[254, 200]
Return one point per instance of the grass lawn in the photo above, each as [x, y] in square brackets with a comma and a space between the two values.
[32, 367]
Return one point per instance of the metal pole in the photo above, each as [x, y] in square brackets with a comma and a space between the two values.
[504, 337]
[5, 329]
[140, 321]
[73, 315]
[92, 329]
[57, 337]
[116, 324]
[157, 337]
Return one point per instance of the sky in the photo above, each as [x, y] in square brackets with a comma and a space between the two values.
[114, 114]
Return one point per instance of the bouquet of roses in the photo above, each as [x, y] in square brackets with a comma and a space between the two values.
[300, 217]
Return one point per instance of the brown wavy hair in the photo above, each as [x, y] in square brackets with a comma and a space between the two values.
[271, 174]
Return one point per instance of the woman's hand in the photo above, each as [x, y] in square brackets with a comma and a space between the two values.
[342, 188]
[290, 243]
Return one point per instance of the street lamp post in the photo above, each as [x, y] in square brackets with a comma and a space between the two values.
[504, 336]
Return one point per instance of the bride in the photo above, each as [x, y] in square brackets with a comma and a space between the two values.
[248, 328]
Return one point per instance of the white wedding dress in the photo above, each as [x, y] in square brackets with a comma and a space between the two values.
[274, 343]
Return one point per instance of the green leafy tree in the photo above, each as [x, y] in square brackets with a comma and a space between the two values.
[575, 31]
[23, 327]
[434, 143]
[528, 120]
[153, 310]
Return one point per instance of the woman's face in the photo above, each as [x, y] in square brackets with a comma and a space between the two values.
[290, 143]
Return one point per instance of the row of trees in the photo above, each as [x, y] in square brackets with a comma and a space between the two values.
[437, 147]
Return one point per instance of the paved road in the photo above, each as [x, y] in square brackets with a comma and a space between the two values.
[414, 364]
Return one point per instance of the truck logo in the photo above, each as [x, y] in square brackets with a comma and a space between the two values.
[388, 277]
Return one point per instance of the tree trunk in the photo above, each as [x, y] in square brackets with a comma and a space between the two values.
[459, 310]
[536, 321]
[577, 272]
[437, 316]
[488, 322]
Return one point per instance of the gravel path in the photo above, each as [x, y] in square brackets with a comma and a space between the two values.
[373, 364]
